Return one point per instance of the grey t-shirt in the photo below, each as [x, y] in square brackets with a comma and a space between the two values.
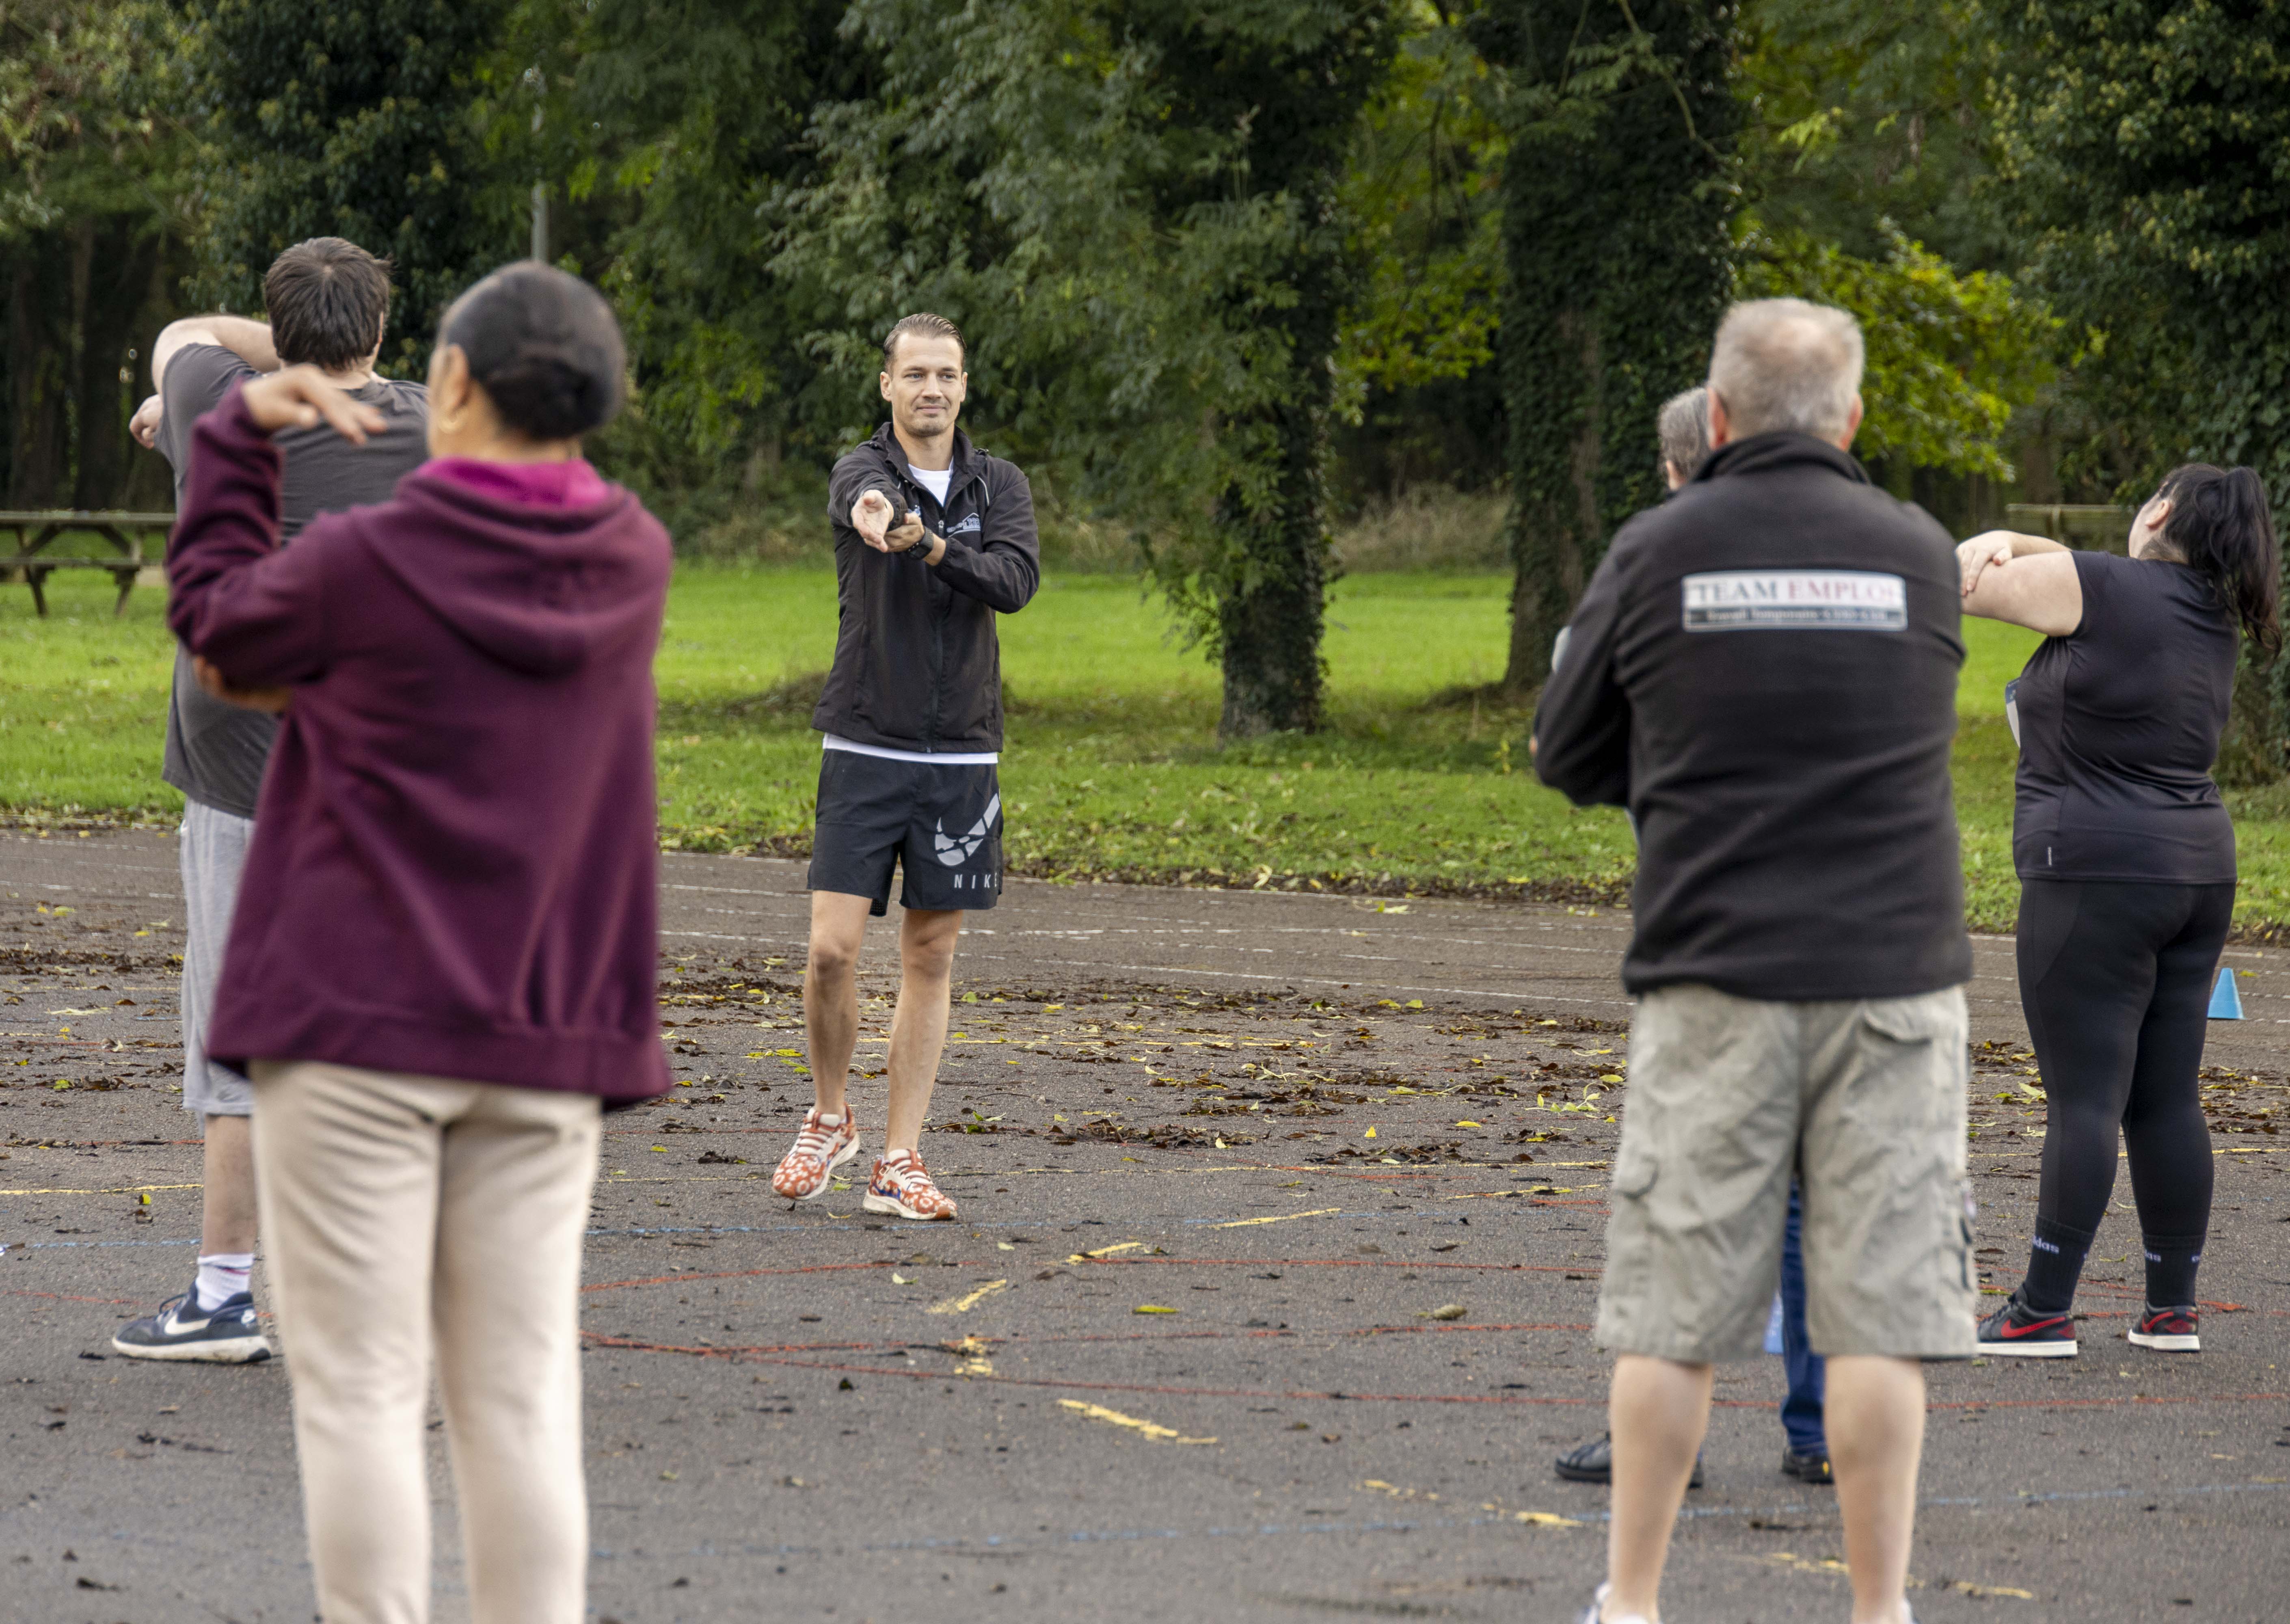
[216, 750]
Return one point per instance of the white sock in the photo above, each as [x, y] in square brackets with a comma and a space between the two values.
[222, 1276]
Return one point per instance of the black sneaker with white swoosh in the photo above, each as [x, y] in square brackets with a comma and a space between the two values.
[2017, 1331]
[229, 1334]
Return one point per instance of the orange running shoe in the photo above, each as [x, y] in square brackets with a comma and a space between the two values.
[824, 1144]
[903, 1188]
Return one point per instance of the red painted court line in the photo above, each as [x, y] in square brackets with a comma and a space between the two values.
[829, 1269]
[106, 1144]
[746, 1273]
[2109, 1403]
[744, 1355]
[1499, 1268]
[997, 1343]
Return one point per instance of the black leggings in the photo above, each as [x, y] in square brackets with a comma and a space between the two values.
[2115, 983]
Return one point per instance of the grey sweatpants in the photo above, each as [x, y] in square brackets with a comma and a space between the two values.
[213, 855]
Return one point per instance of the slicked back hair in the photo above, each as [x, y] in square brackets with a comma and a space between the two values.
[1783, 363]
[1684, 426]
[327, 299]
[923, 324]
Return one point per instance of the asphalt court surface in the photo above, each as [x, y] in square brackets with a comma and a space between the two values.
[1169, 1094]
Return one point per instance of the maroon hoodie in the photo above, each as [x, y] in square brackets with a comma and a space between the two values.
[453, 864]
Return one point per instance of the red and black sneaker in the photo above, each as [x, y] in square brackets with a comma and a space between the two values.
[2018, 1332]
[2170, 1330]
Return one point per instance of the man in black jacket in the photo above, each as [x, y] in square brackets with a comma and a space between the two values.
[932, 539]
[1764, 671]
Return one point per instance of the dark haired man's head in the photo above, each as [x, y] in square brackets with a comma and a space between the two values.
[327, 299]
[922, 325]
[541, 346]
[2218, 523]
[923, 378]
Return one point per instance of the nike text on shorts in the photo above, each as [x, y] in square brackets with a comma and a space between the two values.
[1864, 1101]
[940, 824]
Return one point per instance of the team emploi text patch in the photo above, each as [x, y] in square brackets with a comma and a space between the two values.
[1795, 600]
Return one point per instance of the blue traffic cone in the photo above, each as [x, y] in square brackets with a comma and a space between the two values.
[2226, 1002]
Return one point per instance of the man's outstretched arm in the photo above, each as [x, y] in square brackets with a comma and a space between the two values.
[248, 340]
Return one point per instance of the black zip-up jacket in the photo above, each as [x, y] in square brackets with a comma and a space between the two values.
[1763, 671]
[918, 665]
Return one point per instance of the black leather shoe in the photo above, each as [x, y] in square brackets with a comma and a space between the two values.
[1594, 1462]
[1807, 1468]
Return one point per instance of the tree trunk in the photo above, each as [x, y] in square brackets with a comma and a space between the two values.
[1270, 615]
[1614, 236]
[1554, 530]
[119, 273]
[36, 402]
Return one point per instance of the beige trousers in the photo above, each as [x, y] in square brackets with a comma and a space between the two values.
[406, 1213]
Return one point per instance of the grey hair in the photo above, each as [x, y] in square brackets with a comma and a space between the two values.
[1683, 425]
[1783, 363]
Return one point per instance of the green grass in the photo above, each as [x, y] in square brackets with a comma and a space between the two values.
[1112, 767]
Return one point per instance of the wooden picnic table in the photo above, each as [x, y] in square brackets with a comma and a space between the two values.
[126, 532]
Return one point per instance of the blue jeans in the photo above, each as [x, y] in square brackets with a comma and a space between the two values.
[1808, 1383]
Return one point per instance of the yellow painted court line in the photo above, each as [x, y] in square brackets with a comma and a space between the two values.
[1277, 1217]
[968, 1301]
[120, 1189]
[1104, 1251]
[1114, 1418]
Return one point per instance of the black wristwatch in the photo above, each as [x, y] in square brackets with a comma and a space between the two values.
[922, 549]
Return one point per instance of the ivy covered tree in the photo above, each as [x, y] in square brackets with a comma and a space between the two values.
[353, 121]
[2144, 149]
[1617, 192]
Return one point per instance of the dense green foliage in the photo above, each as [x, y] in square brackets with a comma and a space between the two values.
[2146, 146]
[92, 228]
[1949, 357]
[1230, 270]
[355, 121]
[1617, 194]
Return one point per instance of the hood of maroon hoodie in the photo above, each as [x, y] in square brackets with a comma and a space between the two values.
[541, 590]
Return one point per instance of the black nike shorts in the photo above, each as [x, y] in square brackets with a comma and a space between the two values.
[942, 825]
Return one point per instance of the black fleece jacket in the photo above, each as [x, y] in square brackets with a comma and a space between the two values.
[1763, 671]
[918, 665]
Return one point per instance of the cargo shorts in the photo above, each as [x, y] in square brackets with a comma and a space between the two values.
[1863, 1102]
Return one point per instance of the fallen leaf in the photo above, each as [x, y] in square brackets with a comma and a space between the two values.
[1277, 1218]
[964, 1303]
[1448, 1310]
[1151, 1308]
[1114, 1418]
[1545, 1519]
